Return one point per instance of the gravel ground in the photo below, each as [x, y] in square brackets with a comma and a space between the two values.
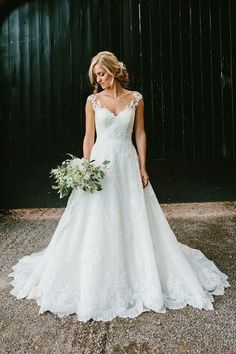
[208, 226]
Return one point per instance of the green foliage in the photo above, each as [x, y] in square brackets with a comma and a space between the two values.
[76, 173]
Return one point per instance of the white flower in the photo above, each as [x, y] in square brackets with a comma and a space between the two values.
[76, 173]
[76, 162]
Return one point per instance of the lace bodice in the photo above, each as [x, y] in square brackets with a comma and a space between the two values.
[111, 126]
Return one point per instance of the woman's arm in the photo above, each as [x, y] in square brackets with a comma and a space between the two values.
[89, 130]
[141, 141]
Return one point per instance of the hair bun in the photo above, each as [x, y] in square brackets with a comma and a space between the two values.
[122, 66]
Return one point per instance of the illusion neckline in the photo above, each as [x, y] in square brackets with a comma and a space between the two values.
[128, 105]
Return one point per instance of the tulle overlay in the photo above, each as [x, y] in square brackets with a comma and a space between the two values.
[113, 252]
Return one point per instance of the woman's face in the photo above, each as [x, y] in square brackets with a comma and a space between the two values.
[103, 78]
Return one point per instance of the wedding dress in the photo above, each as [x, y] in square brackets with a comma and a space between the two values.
[113, 252]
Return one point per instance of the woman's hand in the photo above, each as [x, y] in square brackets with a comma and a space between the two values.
[144, 177]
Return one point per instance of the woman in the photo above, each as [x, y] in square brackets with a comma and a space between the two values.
[113, 252]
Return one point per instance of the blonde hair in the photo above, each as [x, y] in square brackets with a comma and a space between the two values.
[112, 65]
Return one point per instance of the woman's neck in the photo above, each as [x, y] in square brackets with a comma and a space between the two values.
[115, 90]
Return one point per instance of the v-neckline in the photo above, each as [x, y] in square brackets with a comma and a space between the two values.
[116, 114]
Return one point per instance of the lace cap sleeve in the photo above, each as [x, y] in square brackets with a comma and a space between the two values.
[137, 97]
[93, 100]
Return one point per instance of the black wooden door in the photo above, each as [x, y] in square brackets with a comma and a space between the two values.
[181, 56]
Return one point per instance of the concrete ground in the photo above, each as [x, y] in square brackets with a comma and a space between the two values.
[210, 227]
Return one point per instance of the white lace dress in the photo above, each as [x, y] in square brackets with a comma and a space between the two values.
[113, 252]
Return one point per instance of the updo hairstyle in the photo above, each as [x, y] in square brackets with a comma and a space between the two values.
[109, 62]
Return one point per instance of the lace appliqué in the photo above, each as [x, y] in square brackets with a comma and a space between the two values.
[137, 98]
[96, 103]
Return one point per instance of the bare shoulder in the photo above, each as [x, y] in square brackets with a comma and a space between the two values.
[98, 94]
[138, 95]
[134, 92]
[90, 97]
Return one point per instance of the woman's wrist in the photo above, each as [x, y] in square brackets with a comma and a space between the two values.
[142, 167]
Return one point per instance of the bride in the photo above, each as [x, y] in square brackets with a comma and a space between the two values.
[113, 252]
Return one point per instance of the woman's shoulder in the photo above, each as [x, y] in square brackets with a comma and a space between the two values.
[91, 97]
[93, 100]
[134, 92]
[137, 96]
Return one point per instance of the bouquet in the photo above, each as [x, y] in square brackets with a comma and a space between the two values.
[76, 173]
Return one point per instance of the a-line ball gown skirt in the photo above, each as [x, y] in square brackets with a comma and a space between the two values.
[113, 252]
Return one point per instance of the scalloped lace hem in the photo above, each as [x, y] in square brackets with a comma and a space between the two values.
[201, 303]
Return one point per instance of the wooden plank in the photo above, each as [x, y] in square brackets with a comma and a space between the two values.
[232, 15]
[35, 109]
[206, 59]
[24, 115]
[167, 80]
[177, 78]
[65, 76]
[134, 63]
[45, 82]
[5, 130]
[211, 95]
[187, 94]
[77, 103]
[157, 88]
[226, 81]
[55, 70]
[145, 67]
[91, 32]
[14, 92]
[106, 12]
[172, 112]
[216, 75]
[88, 47]
[115, 28]
[197, 79]
[127, 33]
